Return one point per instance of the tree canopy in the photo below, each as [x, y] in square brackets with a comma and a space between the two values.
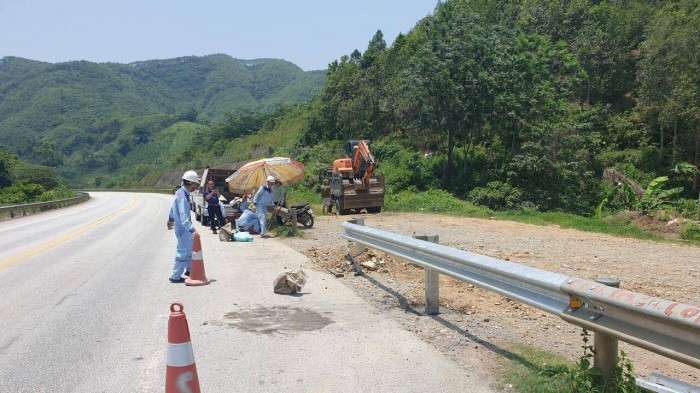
[510, 104]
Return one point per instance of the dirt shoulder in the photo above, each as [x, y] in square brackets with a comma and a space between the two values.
[475, 319]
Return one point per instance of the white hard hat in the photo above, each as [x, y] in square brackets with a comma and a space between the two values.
[271, 179]
[191, 176]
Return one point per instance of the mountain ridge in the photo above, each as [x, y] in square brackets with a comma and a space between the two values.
[57, 103]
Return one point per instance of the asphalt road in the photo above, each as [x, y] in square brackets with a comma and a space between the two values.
[85, 301]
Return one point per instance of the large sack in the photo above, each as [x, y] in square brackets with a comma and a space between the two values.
[225, 233]
[290, 282]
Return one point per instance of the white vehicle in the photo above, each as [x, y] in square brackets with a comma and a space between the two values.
[199, 205]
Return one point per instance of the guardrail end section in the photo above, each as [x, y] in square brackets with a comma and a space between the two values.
[660, 383]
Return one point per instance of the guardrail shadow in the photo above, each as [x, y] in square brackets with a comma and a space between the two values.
[405, 305]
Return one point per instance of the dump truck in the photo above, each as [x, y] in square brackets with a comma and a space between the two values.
[352, 182]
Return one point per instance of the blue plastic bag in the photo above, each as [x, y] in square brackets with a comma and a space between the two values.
[242, 236]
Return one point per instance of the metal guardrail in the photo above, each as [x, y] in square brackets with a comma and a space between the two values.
[39, 206]
[661, 384]
[161, 190]
[662, 326]
[82, 196]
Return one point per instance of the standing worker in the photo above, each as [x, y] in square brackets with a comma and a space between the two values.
[180, 220]
[261, 201]
[279, 195]
[211, 195]
[279, 199]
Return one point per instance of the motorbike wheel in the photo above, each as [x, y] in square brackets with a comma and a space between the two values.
[308, 221]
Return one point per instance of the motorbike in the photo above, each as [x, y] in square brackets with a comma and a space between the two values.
[305, 216]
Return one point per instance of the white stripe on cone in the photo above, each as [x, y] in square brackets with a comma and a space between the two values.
[180, 355]
[197, 255]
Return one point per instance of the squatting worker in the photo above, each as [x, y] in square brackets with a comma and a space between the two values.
[261, 201]
[248, 222]
[179, 219]
[211, 195]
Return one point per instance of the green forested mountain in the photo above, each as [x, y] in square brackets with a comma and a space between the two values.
[81, 115]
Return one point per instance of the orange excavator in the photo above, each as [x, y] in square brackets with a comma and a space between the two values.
[359, 166]
[352, 182]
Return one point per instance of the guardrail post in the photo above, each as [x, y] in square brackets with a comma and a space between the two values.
[605, 346]
[432, 282]
[359, 248]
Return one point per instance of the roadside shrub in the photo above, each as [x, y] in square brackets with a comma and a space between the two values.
[497, 196]
[691, 231]
[11, 195]
[688, 208]
[406, 169]
[20, 192]
[56, 194]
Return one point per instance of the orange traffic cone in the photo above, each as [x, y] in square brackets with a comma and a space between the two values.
[180, 371]
[197, 276]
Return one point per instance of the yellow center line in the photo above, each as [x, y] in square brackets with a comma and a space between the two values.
[53, 243]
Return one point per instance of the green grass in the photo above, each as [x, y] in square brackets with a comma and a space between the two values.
[523, 367]
[565, 220]
[442, 202]
[530, 370]
[434, 201]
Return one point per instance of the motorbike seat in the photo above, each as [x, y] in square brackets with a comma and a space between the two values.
[297, 207]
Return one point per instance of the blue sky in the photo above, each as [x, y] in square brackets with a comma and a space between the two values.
[308, 33]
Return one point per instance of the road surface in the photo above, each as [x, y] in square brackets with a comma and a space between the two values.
[85, 302]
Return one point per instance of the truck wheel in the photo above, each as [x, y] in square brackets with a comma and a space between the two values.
[374, 210]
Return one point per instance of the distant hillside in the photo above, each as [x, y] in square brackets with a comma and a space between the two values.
[51, 111]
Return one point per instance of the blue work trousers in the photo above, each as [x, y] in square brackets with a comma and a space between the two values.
[261, 212]
[183, 254]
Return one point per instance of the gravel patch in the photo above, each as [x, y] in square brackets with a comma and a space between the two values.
[473, 320]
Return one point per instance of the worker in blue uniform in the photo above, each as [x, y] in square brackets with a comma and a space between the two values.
[261, 201]
[180, 220]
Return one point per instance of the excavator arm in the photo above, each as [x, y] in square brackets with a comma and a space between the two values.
[362, 155]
